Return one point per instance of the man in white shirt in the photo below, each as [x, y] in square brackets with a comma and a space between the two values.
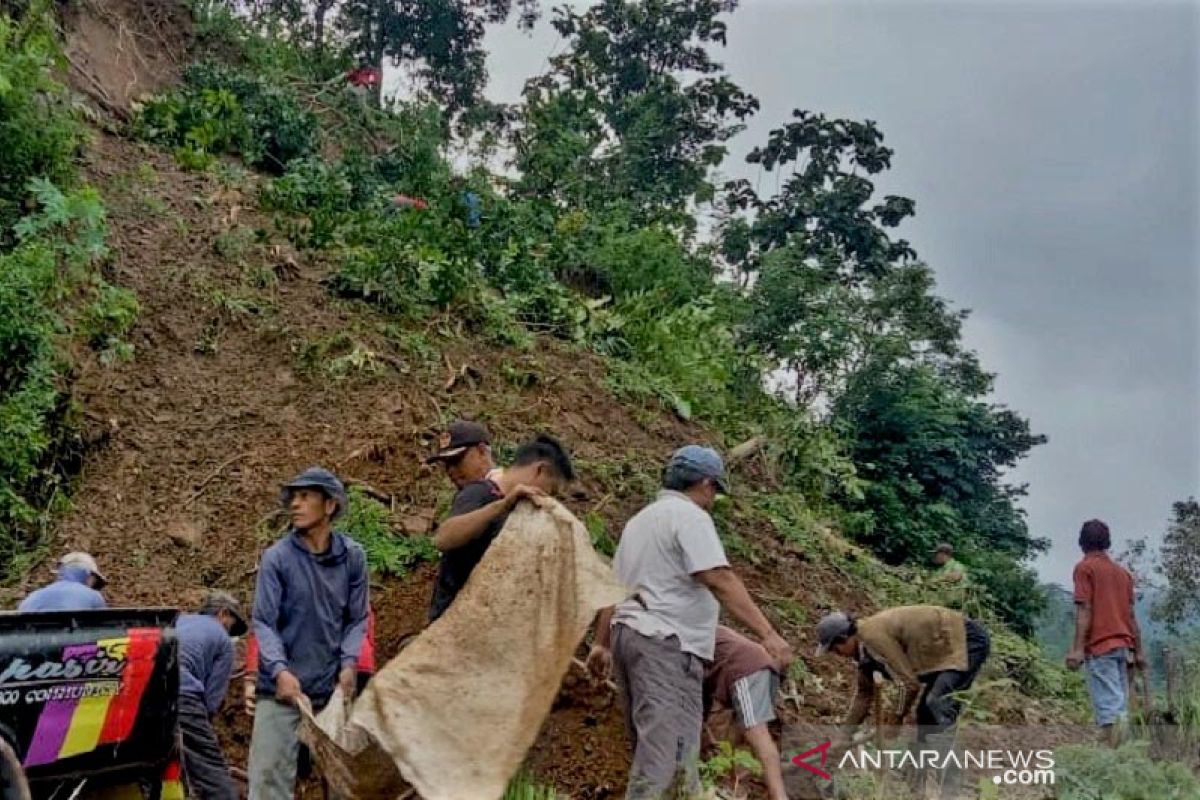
[672, 559]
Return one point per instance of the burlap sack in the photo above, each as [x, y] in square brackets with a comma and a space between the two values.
[454, 714]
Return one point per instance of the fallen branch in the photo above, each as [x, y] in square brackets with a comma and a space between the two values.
[746, 449]
[371, 491]
[215, 474]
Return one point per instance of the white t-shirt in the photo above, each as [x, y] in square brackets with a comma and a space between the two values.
[662, 547]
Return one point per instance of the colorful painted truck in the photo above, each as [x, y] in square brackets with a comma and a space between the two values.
[88, 704]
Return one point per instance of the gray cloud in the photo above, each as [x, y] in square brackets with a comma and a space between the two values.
[1052, 151]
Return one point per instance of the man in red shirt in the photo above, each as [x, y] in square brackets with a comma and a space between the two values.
[1106, 630]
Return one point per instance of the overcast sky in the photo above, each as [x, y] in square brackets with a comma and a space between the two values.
[1051, 149]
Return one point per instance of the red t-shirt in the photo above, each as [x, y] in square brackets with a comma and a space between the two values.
[1108, 588]
[366, 656]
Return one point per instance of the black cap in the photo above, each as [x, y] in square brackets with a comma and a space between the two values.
[460, 435]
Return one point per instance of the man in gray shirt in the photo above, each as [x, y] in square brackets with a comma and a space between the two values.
[673, 560]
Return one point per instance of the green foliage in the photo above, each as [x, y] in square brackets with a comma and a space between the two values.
[1180, 564]
[597, 529]
[933, 458]
[1129, 773]
[524, 787]
[368, 522]
[726, 764]
[39, 134]
[633, 111]
[223, 110]
[75, 224]
[35, 417]
[108, 319]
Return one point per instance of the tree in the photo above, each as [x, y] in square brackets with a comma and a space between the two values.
[634, 112]
[442, 40]
[830, 288]
[1180, 564]
[933, 458]
[822, 206]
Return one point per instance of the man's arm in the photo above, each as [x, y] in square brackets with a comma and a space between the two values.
[1083, 624]
[474, 510]
[599, 660]
[355, 629]
[731, 592]
[860, 707]
[889, 651]
[218, 678]
[268, 592]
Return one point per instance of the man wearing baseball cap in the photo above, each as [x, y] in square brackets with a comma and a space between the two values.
[205, 667]
[672, 559]
[465, 452]
[932, 651]
[310, 617]
[541, 467]
[76, 589]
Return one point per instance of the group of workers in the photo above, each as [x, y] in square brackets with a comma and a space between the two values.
[312, 625]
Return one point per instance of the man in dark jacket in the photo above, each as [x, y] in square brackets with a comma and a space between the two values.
[205, 667]
[310, 617]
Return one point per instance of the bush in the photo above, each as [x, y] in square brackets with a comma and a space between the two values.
[38, 133]
[223, 110]
[1128, 773]
[368, 522]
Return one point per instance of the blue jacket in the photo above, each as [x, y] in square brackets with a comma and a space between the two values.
[310, 612]
[205, 659]
[69, 593]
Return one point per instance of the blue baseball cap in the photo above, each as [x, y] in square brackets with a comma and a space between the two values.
[318, 478]
[702, 460]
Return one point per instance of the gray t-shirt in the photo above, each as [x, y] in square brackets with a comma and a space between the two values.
[662, 547]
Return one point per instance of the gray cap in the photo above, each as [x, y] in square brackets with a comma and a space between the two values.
[703, 460]
[81, 560]
[217, 601]
[317, 478]
[831, 628]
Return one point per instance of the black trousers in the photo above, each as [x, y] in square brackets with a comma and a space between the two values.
[938, 708]
[204, 767]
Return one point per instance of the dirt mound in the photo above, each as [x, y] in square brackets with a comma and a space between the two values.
[122, 50]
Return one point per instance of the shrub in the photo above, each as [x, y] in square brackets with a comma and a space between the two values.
[368, 522]
[38, 132]
[223, 110]
[1128, 773]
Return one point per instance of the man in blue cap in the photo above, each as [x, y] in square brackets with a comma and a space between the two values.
[310, 617]
[76, 589]
[672, 559]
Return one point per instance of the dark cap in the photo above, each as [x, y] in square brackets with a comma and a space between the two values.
[318, 478]
[459, 435]
[217, 601]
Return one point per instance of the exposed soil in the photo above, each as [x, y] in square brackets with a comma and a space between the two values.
[190, 440]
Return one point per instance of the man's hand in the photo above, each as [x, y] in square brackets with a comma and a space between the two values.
[347, 682]
[1139, 659]
[599, 661]
[780, 650]
[1074, 659]
[287, 688]
[525, 492]
[249, 692]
